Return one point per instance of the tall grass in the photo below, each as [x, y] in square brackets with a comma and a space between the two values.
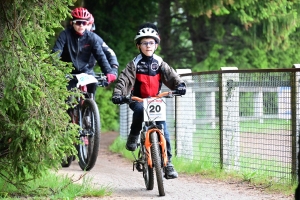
[53, 186]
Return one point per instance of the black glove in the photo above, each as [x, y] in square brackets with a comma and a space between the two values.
[117, 99]
[181, 89]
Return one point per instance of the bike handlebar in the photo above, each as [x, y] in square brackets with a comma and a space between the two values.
[101, 78]
[168, 94]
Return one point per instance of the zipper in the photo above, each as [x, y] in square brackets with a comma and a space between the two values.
[77, 53]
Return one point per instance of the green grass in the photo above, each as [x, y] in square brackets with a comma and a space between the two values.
[206, 145]
[52, 186]
[255, 126]
[207, 169]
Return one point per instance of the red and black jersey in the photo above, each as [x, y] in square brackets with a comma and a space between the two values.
[148, 76]
[143, 77]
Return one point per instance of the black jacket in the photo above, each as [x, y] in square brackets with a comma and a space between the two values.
[78, 50]
[109, 53]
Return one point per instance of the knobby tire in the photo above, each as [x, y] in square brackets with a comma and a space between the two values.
[67, 161]
[88, 150]
[148, 173]
[156, 162]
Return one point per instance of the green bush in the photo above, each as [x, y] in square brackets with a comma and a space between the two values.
[35, 132]
[108, 111]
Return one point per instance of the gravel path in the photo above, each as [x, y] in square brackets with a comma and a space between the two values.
[116, 172]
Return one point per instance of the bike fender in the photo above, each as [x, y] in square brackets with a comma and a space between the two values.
[148, 146]
[163, 144]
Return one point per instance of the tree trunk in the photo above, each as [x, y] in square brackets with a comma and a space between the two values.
[164, 26]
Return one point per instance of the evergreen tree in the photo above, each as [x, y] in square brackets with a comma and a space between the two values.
[245, 34]
[33, 130]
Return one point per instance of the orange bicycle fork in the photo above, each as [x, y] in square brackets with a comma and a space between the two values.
[162, 143]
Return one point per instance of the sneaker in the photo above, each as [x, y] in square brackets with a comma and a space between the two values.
[131, 143]
[170, 172]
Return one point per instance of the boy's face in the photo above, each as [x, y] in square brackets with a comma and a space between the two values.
[147, 46]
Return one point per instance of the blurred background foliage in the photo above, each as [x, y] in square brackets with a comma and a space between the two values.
[200, 35]
[203, 35]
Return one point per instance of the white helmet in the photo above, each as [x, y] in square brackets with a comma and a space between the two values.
[147, 32]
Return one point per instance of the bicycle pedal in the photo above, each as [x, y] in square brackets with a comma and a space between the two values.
[139, 167]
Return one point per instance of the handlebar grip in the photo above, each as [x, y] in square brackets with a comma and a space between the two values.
[125, 100]
[176, 93]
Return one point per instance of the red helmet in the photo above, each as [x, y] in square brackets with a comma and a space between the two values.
[81, 13]
[91, 20]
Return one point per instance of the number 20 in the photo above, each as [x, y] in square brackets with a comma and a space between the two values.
[153, 109]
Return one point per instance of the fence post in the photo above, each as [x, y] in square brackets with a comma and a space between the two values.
[258, 104]
[185, 116]
[123, 121]
[230, 119]
[210, 106]
[295, 111]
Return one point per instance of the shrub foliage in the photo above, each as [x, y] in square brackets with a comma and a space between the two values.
[35, 133]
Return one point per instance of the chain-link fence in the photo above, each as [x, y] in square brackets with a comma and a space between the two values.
[247, 121]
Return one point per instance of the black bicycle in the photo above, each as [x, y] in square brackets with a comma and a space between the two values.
[86, 114]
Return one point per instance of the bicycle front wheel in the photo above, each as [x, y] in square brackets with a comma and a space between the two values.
[156, 162]
[148, 173]
[90, 138]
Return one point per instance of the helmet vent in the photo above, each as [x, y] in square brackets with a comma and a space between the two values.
[147, 32]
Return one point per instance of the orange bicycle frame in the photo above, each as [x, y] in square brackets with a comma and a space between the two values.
[162, 143]
[161, 140]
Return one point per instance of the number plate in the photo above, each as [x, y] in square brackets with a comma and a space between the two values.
[85, 79]
[155, 109]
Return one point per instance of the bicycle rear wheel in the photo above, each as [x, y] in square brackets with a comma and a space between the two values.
[156, 162]
[90, 137]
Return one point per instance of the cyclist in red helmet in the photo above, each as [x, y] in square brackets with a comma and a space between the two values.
[76, 44]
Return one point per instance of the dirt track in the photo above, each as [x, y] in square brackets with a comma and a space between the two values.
[116, 172]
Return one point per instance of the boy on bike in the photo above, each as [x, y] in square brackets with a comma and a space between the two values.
[143, 77]
[76, 45]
